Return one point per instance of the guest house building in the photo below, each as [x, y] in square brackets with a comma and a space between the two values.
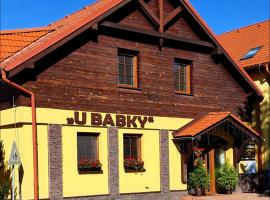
[111, 102]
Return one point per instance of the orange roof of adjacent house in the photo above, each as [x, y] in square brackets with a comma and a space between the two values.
[13, 41]
[209, 121]
[239, 42]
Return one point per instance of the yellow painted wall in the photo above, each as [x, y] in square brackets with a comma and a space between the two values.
[264, 84]
[44, 115]
[175, 167]
[75, 184]
[148, 181]
[23, 138]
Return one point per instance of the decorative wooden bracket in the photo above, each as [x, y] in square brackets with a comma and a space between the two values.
[188, 42]
[149, 13]
[172, 15]
[216, 55]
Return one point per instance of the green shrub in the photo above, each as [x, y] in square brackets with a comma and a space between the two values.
[198, 178]
[227, 178]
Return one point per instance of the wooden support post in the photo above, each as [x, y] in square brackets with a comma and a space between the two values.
[212, 172]
[161, 26]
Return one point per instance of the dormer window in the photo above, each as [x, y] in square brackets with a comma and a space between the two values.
[251, 53]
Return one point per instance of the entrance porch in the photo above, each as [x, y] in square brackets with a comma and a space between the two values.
[214, 138]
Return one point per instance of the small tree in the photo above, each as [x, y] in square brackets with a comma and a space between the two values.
[227, 178]
[5, 179]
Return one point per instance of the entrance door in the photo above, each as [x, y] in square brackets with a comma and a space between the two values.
[213, 160]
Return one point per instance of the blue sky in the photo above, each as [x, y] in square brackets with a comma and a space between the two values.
[220, 15]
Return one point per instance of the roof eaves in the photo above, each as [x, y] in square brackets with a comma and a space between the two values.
[8, 66]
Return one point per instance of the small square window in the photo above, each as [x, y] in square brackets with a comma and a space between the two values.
[127, 68]
[181, 74]
[251, 53]
[87, 152]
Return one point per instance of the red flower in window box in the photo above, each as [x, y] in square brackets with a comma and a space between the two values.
[133, 164]
[85, 164]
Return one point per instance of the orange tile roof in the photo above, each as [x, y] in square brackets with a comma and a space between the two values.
[13, 41]
[239, 42]
[200, 125]
[62, 29]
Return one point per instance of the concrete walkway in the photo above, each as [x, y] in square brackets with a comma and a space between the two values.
[237, 196]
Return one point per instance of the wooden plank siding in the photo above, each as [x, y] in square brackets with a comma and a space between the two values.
[82, 75]
[86, 79]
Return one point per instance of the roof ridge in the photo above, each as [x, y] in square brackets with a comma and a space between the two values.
[66, 16]
[219, 113]
[247, 26]
[75, 12]
[26, 30]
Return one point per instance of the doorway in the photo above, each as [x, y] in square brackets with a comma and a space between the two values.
[213, 160]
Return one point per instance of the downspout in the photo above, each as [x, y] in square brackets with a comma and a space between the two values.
[34, 127]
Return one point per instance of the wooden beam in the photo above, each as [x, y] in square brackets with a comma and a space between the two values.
[165, 36]
[161, 24]
[172, 15]
[149, 13]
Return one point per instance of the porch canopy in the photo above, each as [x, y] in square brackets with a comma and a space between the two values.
[216, 121]
[213, 130]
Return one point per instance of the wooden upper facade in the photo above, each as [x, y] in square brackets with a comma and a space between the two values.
[76, 66]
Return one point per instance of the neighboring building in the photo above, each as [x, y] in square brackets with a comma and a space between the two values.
[250, 48]
[119, 83]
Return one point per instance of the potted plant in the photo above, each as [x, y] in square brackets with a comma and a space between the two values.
[198, 179]
[133, 164]
[85, 164]
[226, 179]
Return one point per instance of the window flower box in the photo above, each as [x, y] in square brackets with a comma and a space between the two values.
[133, 165]
[87, 165]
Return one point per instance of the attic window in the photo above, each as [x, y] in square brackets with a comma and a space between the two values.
[251, 53]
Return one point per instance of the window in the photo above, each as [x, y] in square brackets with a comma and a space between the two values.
[182, 77]
[87, 152]
[251, 53]
[132, 153]
[127, 68]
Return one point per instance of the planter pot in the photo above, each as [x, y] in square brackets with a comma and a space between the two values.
[230, 191]
[225, 191]
[198, 191]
